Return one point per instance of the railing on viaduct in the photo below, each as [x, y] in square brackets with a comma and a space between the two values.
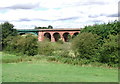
[52, 34]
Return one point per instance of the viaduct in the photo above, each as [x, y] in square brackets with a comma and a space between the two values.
[52, 34]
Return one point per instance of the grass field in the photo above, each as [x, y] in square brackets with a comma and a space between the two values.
[44, 71]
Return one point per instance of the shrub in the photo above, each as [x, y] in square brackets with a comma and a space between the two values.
[60, 41]
[22, 44]
[45, 48]
[85, 46]
[64, 50]
[6, 31]
[109, 50]
[30, 45]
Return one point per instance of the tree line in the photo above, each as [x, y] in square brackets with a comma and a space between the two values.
[49, 27]
[99, 43]
[96, 43]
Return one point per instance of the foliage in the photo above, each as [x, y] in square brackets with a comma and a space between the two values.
[45, 48]
[60, 41]
[103, 30]
[109, 50]
[69, 37]
[85, 46]
[22, 44]
[97, 43]
[49, 27]
[104, 48]
[7, 30]
[8, 57]
[46, 39]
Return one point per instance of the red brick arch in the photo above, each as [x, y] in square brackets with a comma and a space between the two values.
[61, 32]
[56, 36]
[47, 35]
[65, 35]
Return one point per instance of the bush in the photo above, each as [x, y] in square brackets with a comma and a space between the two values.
[45, 48]
[53, 48]
[109, 50]
[60, 41]
[22, 44]
[86, 46]
[6, 31]
[64, 50]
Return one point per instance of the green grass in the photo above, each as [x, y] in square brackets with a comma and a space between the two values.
[44, 71]
[10, 58]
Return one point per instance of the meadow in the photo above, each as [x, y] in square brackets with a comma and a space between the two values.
[91, 56]
[39, 69]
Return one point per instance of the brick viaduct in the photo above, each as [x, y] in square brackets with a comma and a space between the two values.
[52, 34]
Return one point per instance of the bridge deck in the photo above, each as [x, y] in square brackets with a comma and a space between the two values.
[77, 29]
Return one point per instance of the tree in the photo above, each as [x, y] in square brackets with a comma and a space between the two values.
[50, 27]
[22, 44]
[109, 50]
[7, 30]
[85, 46]
[103, 30]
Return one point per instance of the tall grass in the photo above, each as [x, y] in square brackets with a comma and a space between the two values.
[11, 58]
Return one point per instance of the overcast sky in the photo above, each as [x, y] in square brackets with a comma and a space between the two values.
[26, 14]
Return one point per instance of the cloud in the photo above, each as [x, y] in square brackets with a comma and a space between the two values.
[93, 3]
[93, 16]
[113, 15]
[19, 4]
[23, 6]
[45, 20]
[100, 15]
[58, 13]
[23, 19]
[70, 18]
[34, 19]
[97, 21]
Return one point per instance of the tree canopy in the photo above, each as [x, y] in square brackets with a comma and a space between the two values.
[49, 27]
[7, 31]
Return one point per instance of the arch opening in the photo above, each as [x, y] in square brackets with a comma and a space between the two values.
[67, 37]
[22, 33]
[75, 34]
[56, 36]
[47, 36]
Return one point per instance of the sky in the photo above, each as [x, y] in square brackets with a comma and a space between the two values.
[26, 14]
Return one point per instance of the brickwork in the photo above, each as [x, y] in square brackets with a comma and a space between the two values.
[42, 32]
[52, 31]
